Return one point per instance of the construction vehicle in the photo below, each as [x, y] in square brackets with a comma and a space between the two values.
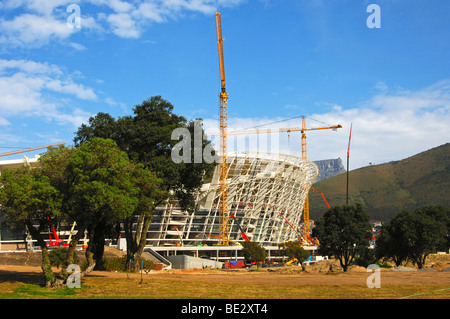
[56, 242]
[224, 236]
[291, 262]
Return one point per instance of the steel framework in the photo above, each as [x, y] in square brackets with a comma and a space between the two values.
[266, 194]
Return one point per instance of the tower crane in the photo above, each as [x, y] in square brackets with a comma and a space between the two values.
[30, 149]
[303, 130]
[224, 236]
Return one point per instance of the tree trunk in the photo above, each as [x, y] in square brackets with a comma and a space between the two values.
[89, 253]
[420, 260]
[397, 260]
[131, 242]
[136, 244]
[346, 258]
[50, 278]
[73, 245]
[99, 245]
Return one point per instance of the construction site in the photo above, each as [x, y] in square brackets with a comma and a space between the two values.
[255, 196]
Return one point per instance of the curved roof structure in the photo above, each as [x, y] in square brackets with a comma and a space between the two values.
[266, 195]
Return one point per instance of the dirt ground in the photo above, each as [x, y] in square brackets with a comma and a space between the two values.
[290, 277]
[323, 279]
[317, 274]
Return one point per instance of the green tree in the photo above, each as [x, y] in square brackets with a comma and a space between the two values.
[294, 249]
[413, 236]
[253, 251]
[102, 193]
[342, 231]
[146, 137]
[441, 216]
[28, 200]
[54, 164]
[99, 187]
[102, 125]
[393, 240]
[149, 195]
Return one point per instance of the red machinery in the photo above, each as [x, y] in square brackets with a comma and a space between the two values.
[240, 229]
[316, 191]
[54, 242]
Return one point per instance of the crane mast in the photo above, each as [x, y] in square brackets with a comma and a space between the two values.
[306, 222]
[224, 236]
[303, 130]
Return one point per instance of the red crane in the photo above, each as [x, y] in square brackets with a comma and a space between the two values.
[316, 191]
[240, 228]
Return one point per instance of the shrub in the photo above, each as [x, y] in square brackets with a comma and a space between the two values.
[114, 263]
[119, 264]
[254, 252]
[58, 257]
[293, 249]
[366, 257]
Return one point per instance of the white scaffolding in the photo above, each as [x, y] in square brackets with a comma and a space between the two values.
[266, 194]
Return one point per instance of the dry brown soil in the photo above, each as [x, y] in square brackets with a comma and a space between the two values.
[285, 282]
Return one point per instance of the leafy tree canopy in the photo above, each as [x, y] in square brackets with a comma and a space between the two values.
[414, 235]
[27, 199]
[253, 251]
[341, 231]
[146, 137]
[293, 249]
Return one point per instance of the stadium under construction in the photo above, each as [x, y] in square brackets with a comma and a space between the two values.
[252, 196]
[266, 196]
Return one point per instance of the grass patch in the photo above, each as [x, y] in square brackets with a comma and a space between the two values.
[30, 291]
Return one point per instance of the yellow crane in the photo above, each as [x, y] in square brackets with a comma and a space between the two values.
[301, 129]
[224, 236]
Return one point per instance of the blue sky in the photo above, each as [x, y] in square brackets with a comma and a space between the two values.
[283, 59]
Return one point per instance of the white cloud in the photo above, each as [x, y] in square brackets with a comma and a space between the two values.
[42, 21]
[47, 7]
[149, 11]
[29, 89]
[33, 30]
[77, 46]
[123, 25]
[4, 122]
[386, 127]
[120, 6]
[69, 87]
[29, 67]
